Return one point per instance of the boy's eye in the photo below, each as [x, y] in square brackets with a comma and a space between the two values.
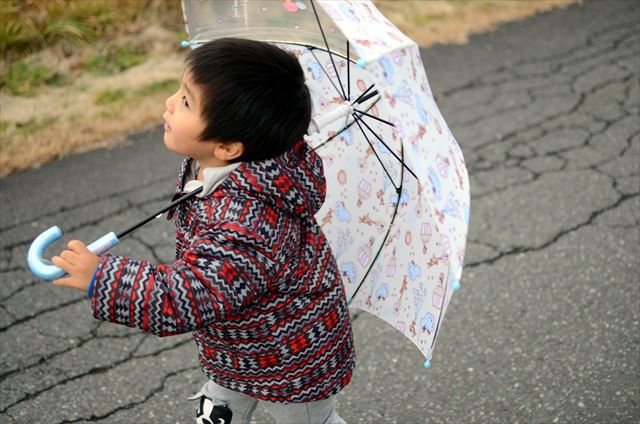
[184, 101]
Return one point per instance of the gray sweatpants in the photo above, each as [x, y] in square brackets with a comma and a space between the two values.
[243, 406]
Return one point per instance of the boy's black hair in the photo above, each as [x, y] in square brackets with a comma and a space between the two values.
[253, 92]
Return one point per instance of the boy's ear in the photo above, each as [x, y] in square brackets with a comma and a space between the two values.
[229, 151]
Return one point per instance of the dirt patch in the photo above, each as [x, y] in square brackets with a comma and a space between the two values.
[99, 111]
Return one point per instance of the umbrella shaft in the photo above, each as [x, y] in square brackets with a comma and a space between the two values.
[367, 97]
[160, 212]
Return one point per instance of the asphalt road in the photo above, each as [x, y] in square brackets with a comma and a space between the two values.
[546, 328]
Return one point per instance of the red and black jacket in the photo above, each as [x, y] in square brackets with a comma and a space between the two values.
[254, 279]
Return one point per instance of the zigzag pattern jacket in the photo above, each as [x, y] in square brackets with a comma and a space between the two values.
[254, 279]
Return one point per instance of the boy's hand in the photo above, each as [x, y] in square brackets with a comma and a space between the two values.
[79, 262]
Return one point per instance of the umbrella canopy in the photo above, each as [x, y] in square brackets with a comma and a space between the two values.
[397, 207]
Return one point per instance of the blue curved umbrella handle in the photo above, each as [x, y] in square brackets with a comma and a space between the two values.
[43, 268]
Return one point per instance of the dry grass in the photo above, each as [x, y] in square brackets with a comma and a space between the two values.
[90, 112]
[68, 107]
[85, 122]
[28, 26]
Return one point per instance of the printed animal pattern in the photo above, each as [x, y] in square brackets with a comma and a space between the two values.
[421, 249]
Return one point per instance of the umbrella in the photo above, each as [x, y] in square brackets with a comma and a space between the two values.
[396, 211]
[397, 207]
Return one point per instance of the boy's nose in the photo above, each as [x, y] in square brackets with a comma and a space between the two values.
[169, 103]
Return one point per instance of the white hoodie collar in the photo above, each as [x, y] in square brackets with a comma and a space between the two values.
[212, 177]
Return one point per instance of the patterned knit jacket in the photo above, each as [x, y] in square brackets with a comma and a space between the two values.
[254, 279]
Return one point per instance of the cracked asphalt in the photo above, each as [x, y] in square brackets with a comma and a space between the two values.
[546, 328]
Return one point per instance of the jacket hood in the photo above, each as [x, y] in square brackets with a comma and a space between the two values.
[293, 181]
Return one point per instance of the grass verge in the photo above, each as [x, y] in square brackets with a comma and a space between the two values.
[77, 75]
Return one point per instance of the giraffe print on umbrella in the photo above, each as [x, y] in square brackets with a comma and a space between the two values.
[459, 178]
[328, 218]
[418, 206]
[362, 161]
[380, 196]
[415, 139]
[398, 305]
[380, 226]
[418, 299]
[444, 258]
[392, 264]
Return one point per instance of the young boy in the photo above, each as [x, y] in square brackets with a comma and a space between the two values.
[254, 278]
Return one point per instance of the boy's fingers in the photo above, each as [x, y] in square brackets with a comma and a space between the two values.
[60, 263]
[77, 246]
[64, 282]
[59, 282]
[69, 256]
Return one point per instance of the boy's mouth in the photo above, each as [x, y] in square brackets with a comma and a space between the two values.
[167, 127]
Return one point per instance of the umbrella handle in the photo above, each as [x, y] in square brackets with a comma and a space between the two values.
[44, 269]
[317, 124]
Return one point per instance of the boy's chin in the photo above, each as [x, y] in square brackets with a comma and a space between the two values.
[170, 147]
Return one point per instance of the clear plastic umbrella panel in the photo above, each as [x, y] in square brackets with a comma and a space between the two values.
[397, 207]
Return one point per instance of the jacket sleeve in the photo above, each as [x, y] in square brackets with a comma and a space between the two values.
[218, 275]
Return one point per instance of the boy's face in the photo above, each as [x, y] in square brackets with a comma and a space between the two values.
[183, 125]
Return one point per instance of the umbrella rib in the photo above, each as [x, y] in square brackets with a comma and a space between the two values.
[374, 117]
[391, 151]
[374, 151]
[325, 72]
[348, 74]
[444, 296]
[326, 43]
[362, 95]
[368, 96]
